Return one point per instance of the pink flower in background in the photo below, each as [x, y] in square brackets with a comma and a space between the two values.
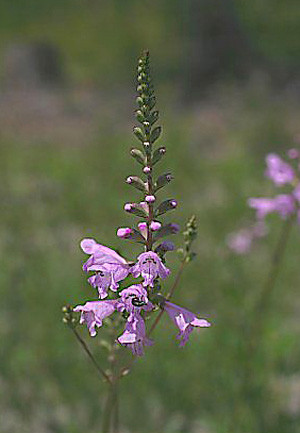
[185, 321]
[109, 266]
[263, 206]
[149, 266]
[134, 335]
[93, 313]
[284, 205]
[278, 170]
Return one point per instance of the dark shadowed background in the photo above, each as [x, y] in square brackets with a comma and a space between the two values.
[227, 81]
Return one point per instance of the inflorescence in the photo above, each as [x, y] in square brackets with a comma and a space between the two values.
[286, 205]
[108, 269]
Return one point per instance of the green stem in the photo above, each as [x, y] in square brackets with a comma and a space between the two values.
[169, 295]
[90, 355]
[107, 411]
[276, 262]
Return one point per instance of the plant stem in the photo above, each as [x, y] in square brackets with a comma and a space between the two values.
[170, 294]
[276, 262]
[90, 355]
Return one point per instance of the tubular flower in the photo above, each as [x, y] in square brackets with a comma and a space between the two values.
[185, 321]
[149, 266]
[109, 266]
[279, 171]
[134, 335]
[134, 299]
[93, 313]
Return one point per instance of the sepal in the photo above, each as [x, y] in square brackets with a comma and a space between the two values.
[166, 230]
[165, 206]
[137, 183]
[155, 134]
[138, 156]
[158, 154]
[162, 180]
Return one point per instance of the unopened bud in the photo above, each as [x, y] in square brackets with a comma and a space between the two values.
[166, 230]
[124, 232]
[165, 206]
[128, 207]
[162, 181]
[155, 225]
[137, 183]
[158, 154]
[147, 170]
[150, 198]
[138, 156]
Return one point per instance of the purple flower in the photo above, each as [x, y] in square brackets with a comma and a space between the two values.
[278, 170]
[134, 335]
[134, 299]
[110, 267]
[149, 266]
[284, 205]
[263, 206]
[185, 320]
[93, 313]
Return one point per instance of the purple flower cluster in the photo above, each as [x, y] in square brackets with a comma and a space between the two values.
[109, 269]
[282, 174]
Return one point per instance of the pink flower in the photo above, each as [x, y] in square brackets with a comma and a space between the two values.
[185, 320]
[155, 225]
[149, 266]
[93, 313]
[134, 335]
[110, 267]
[124, 232]
[142, 226]
[134, 299]
[284, 205]
[263, 206]
[278, 170]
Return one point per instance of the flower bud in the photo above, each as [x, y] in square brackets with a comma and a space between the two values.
[155, 225]
[166, 230]
[153, 117]
[165, 206]
[162, 181]
[139, 133]
[138, 209]
[155, 134]
[124, 232]
[165, 247]
[147, 170]
[131, 234]
[158, 154]
[137, 183]
[138, 156]
[150, 198]
[143, 228]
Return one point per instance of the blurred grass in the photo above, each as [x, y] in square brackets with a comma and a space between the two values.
[53, 195]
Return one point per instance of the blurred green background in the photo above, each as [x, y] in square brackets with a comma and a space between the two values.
[227, 81]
